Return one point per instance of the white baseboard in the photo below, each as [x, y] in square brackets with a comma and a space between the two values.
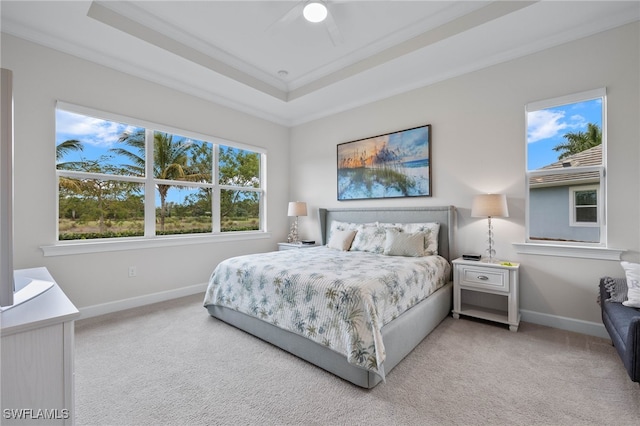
[134, 302]
[555, 321]
[564, 323]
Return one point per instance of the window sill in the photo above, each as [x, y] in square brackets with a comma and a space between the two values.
[107, 245]
[583, 252]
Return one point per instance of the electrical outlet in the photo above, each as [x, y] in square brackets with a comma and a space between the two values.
[133, 271]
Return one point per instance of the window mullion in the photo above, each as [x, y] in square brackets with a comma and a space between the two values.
[149, 187]
[99, 176]
[602, 208]
[215, 191]
[263, 194]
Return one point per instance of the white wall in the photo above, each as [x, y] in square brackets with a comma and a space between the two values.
[42, 76]
[478, 128]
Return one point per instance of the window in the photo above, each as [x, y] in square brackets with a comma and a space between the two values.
[566, 151]
[122, 178]
[584, 206]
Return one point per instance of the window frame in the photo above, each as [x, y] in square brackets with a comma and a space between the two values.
[150, 239]
[599, 250]
[573, 207]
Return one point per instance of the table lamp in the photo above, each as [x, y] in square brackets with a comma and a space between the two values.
[296, 208]
[490, 205]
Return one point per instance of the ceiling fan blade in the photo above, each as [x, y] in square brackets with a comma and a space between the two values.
[332, 28]
[287, 18]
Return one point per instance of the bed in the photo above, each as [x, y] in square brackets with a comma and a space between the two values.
[307, 302]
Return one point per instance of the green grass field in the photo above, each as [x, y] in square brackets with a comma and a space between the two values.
[78, 229]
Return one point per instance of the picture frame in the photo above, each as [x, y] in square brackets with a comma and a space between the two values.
[392, 165]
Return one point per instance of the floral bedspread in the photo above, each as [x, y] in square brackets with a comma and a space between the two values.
[338, 299]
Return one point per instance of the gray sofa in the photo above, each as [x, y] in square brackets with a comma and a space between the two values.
[623, 325]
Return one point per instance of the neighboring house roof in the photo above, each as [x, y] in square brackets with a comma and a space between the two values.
[588, 157]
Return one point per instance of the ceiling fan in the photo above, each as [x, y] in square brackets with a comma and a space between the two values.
[315, 11]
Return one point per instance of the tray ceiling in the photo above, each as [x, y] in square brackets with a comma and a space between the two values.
[257, 57]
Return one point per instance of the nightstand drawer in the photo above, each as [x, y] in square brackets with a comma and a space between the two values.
[484, 278]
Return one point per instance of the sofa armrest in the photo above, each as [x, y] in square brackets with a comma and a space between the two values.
[603, 292]
[633, 348]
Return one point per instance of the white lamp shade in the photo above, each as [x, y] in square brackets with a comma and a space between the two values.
[297, 208]
[489, 205]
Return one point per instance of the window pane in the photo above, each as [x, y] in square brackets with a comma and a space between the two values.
[555, 225]
[239, 167]
[586, 198]
[184, 211]
[587, 214]
[555, 135]
[180, 158]
[93, 208]
[91, 144]
[239, 210]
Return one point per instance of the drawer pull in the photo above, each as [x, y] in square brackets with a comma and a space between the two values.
[483, 277]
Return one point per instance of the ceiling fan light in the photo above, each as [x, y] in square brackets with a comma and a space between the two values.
[315, 12]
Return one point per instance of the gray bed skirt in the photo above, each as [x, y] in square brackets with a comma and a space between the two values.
[400, 337]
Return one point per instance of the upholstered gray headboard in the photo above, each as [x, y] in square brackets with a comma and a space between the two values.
[444, 215]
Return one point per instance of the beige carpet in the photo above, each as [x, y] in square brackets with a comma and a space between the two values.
[171, 363]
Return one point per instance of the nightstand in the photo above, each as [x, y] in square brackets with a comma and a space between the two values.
[293, 246]
[499, 279]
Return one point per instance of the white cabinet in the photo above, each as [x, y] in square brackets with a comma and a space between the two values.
[37, 357]
[499, 279]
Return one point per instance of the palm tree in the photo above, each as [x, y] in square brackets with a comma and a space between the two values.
[170, 162]
[62, 149]
[580, 141]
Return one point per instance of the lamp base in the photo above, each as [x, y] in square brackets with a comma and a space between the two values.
[293, 233]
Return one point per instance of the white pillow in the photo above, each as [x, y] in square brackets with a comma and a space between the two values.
[341, 239]
[632, 271]
[400, 243]
[430, 229]
[342, 226]
[337, 225]
[369, 238]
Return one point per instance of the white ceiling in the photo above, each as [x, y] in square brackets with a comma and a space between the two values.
[232, 52]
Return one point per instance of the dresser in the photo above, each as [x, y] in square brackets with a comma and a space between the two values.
[37, 357]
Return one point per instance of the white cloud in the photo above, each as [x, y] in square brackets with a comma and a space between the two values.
[544, 124]
[550, 123]
[88, 130]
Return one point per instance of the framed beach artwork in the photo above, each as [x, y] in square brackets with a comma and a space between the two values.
[392, 165]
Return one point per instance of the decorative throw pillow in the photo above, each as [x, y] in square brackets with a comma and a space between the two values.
[632, 272]
[400, 243]
[617, 289]
[341, 239]
[369, 238]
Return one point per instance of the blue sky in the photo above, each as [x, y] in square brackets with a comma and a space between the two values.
[97, 135]
[546, 127]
